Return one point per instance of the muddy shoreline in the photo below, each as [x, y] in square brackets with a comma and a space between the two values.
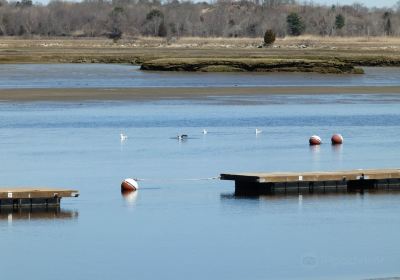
[115, 94]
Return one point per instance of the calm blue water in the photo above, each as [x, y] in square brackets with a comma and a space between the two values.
[113, 75]
[174, 229]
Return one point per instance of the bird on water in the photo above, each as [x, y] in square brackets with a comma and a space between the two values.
[181, 137]
[123, 136]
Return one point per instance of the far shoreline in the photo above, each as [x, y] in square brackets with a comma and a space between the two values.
[162, 93]
[338, 55]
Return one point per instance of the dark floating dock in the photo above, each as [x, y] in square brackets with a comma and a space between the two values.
[299, 182]
[31, 197]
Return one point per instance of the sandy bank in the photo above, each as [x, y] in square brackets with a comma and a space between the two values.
[79, 94]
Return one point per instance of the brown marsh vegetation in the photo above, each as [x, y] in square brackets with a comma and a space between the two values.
[359, 51]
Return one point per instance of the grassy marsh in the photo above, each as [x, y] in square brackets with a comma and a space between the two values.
[217, 54]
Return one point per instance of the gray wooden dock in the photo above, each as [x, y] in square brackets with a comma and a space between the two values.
[286, 182]
[20, 197]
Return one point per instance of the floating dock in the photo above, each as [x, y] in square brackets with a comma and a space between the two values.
[20, 197]
[286, 182]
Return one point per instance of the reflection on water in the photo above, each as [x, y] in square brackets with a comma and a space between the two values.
[337, 151]
[315, 156]
[315, 149]
[328, 194]
[182, 227]
[37, 213]
[232, 196]
[130, 197]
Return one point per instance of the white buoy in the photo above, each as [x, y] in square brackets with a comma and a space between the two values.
[315, 140]
[129, 185]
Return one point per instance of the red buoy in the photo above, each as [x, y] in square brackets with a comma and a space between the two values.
[129, 185]
[337, 139]
[315, 140]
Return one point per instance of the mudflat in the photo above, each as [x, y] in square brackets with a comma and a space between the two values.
[77, 94]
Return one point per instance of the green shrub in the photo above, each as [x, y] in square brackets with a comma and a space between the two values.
[269, 37]
[162, 30]
[339, 21]
[295, 24]
[115, 35]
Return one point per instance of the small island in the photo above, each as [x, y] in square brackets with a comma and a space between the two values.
[251, 65]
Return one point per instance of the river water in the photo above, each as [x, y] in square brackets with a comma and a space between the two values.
[176, 229]
[114, 75]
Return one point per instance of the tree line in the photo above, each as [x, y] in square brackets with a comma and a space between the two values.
[173, 18]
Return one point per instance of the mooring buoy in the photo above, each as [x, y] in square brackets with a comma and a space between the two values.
[337, 139]
[129, 185]
[315, 140]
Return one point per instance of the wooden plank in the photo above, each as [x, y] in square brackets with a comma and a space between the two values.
[289, 177]
[240, 177]
[23, 193]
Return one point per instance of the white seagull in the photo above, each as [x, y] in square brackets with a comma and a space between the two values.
[123, 136]
[205, 131]
[258, 131]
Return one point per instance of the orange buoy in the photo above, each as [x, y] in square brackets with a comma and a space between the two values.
[315, 140]
[129, 185]
[337, 139]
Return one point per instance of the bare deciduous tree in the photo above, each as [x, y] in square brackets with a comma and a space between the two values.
[226, 18]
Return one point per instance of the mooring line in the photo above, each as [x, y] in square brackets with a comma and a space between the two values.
[176, 179]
